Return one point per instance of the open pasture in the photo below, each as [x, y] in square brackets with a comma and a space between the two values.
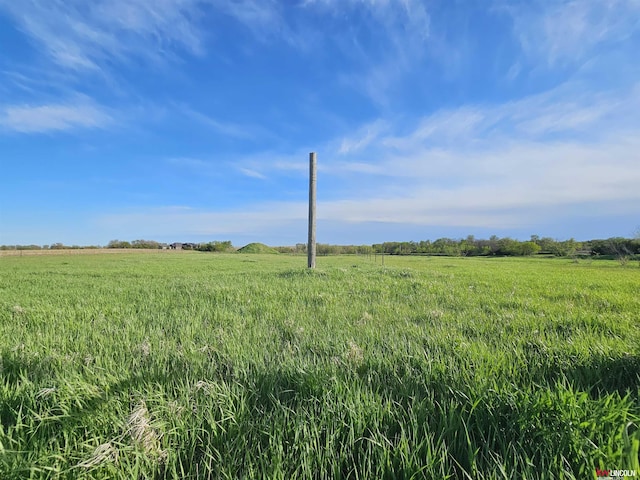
[195, 365]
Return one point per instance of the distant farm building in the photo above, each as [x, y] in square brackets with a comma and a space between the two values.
[183, 246]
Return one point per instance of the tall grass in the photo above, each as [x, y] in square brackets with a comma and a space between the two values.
[248, 366]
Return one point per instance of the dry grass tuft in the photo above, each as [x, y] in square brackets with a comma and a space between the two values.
[103, 453]
[142, 432]
[45, 392]
[204, 385]
[145, 348]
[365, 318]
[354, 353]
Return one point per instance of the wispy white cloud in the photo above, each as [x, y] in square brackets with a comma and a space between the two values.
[89, 36]
[568, 110]
[569, 32]
[392, 39]
[252, 173]
[513, 185]
[363, 137]
[504, 166]
[262, 17]
[94, 37]
[559, 149]
[499, 170]
[273, 164]
[263, 166]
[221, 125]
[80, 113]
[444, 126]
[227, 128]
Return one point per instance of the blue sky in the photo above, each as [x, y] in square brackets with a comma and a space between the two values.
[192, 120]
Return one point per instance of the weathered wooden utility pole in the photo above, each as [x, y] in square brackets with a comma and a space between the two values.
[311, 246]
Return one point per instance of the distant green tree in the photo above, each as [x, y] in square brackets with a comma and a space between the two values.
[547, 244]
[326, 249]
[566, 248]
[508, 246]
[116, 244]
[467, 246]
[29, 247]
[529, 248]
[445, 246]
[621, 248]
[215, 246]
[146, 244]
[424, 246]
[494, 244]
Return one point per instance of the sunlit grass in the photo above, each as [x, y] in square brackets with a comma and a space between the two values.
[247, 366]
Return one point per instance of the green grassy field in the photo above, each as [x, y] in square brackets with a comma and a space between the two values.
[195, 365]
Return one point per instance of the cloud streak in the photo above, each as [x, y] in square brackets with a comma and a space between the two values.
[73, 115]
[511, 185]
[85, 36]
[570, 32]
[497, 166]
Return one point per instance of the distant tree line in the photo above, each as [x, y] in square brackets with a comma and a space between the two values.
[615, 247]
[471, 246]
[327, 249]
[145, 244]
[506, 246]
[494, 246]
